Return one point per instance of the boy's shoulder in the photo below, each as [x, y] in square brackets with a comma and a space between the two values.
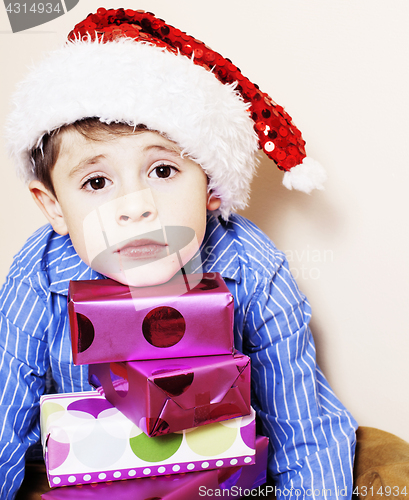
[238, 242]
[48, 257]
[33, 257]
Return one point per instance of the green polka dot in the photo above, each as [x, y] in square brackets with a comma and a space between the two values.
[155, 449]
[48, 409]
[211, 439]
[135, 431]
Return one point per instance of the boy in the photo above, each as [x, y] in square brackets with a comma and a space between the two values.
[135, 136]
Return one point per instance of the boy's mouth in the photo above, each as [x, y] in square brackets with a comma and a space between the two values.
[151, 245]
[142, 249]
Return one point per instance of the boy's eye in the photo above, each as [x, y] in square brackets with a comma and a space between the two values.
[163, 172]
[96, 183]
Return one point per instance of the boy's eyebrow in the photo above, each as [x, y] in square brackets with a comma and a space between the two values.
[173, 150]
[84, 163]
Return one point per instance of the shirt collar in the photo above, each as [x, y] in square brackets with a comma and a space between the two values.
[67, 266]
[220, 250]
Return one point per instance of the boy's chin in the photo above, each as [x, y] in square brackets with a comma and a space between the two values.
[151, 274]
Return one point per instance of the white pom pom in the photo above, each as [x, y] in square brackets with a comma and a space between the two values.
[305, 177]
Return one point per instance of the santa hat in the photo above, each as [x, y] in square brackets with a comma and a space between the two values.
[131, 67]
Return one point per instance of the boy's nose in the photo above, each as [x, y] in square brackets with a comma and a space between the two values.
[134, 207]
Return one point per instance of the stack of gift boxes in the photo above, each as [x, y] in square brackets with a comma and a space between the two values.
[173, 396]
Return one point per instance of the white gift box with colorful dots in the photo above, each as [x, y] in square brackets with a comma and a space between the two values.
[86, 439]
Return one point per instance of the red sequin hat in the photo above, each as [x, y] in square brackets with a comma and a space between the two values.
[129, 66]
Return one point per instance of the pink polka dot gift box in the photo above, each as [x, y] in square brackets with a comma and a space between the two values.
[172, 487]
[229, 482]
[190, 315]
[168, 395]
[86, 439]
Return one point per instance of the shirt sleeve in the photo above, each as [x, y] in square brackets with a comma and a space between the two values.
[23, 365]
[311, 433]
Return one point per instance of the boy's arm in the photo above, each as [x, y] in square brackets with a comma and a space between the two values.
[312, 434]
[23, 364]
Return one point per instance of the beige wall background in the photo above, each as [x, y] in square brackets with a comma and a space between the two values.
[341, 69]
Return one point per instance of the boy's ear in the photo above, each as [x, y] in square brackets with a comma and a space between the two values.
[49, 206]
[213, 202]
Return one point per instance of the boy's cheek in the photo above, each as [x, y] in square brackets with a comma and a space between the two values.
[94, 239]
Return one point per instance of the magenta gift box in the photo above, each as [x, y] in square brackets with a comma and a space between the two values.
[186, 486]
[247, 476]
[175, 487]
[114, 322]
[168, 395]
[86, 440]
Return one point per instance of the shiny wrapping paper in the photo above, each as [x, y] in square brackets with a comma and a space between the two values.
[87, 440]
[188, 486]
[168, 395]
[190, 315]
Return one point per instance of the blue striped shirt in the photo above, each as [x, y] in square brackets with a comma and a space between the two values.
[312, 435]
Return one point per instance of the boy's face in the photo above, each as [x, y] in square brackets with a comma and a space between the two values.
[134, 208]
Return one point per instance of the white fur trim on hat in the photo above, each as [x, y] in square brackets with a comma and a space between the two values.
[306, 176]
[137, 83]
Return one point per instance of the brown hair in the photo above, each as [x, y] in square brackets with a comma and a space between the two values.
[46, 154]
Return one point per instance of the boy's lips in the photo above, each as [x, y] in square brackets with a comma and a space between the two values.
[132, 253]
[142, 249]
